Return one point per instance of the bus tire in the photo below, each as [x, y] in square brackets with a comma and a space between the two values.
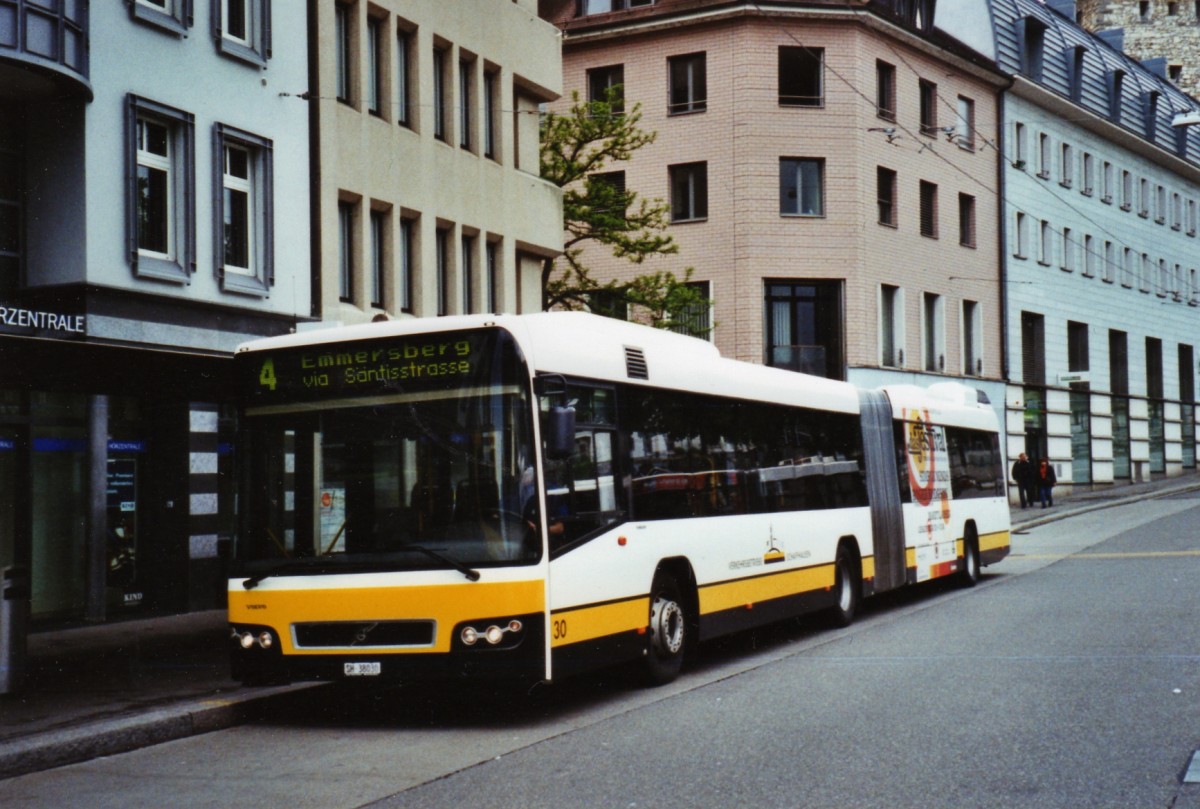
[969, 575]
[847, 588]
[667, 637]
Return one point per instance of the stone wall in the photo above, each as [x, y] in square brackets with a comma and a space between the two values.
[1153, 29]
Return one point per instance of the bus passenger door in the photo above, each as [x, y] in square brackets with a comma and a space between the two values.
[883, 490]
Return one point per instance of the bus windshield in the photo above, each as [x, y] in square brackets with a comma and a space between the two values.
[361, 457]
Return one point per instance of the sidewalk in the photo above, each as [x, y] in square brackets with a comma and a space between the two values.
[102, 690]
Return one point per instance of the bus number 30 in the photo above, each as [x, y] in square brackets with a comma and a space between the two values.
[560, 629]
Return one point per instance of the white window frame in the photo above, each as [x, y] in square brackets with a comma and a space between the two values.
[255, 46]
[257, 277]
[897, 322]
[178, 262]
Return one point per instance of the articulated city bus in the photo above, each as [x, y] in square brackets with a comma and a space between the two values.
[538, 495]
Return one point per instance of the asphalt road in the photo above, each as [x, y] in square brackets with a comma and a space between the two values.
[1069, 678]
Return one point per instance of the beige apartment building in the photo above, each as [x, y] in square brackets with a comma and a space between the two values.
[426, 167]
[831, 170]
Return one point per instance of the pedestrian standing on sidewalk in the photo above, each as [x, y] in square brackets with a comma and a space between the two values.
[1045, 482]
[1022, 478]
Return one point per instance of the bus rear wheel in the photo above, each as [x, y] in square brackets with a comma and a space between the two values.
[848, 589]
[667, 636]
[969, 575]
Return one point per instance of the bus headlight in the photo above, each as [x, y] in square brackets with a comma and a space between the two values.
[495, 634]
[248, 639]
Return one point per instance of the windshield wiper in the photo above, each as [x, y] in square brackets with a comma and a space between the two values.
[469, 572]
[295, 566]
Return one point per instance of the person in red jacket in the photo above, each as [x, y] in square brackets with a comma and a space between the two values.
[1045, 482]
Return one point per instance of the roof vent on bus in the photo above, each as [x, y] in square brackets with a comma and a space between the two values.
[635, 363]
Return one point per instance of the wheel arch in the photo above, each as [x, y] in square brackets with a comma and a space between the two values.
[680, 569]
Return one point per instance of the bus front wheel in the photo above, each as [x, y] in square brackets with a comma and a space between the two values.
[667, 635]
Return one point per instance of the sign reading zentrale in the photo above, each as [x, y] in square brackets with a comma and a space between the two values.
[15, 319]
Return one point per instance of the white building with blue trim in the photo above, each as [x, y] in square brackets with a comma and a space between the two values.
[1100, 185]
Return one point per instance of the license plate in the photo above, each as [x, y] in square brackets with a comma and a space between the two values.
[361, 669]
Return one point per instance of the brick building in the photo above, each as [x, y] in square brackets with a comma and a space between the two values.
[831, 173]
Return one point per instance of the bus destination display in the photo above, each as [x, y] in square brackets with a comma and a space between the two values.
[367, 367]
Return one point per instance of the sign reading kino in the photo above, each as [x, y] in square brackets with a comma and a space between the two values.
[13, 317]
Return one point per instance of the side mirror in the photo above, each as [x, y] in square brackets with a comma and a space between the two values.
[560, 433]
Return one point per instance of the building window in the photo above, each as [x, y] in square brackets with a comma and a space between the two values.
[696, 320]
[1045, 244]
[606, 85]
[440, 66]
[12, 153]
[1066, 166]
[161, 195]
[587, 7]
[1154, 368]
[1077, 346]
[966, 220]
[492, 257]
[1106, 178]
[244, 208]
[1032, 37]
[244, 29]
[374, 62]
[1126, 191]
[404, 72]
[1116, 94]
[442, 270]
[378, 259]
[1033, 348]
[491, 103]
[801, 77]
[466, 97]
[1020, 146]
[929, 209]
[1021, 236]
[689, 85]
[404, 286]
[804, 327]
[342, 52]
[1043, 155]
[346, 252]
[1110, 260]
[1160, 205]
[1078, 54]
[928, 102]
[606, 192]
[170, 15]
[801, 186]
[1176, 212]
[1130, 269]
[885, 90]
[1164, 279]
[689, 191]
[1088, 171]
[885, 185]
[1068, 250]
[972, 337]
[1090, 256]
[964, 124]
[1191, 217]
[1147, 274]
[466, 261]
[932, 335]
[891, 326]
[1144, 198]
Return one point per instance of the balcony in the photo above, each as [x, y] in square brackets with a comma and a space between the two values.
[44, 49]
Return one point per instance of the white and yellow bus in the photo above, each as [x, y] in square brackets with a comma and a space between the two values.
[538, 495]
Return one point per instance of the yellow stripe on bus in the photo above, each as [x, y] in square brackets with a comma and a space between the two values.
[446, 605]
[994, 541]
[743, 592]
[579, 624]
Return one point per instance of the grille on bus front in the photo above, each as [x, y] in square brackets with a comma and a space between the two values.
[363, 634]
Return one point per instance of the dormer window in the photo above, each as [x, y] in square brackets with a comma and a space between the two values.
[1031, 38]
